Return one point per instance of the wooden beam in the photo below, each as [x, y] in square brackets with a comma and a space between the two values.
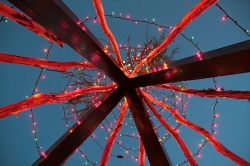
[156, 153]
[230, 60]
[65, 146]
[55, 16]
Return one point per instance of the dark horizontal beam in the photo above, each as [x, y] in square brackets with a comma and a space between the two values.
[55, 16]
[230, 60]
[156, 153]
[65, 146]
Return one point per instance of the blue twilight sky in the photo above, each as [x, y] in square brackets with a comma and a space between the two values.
[17, 145]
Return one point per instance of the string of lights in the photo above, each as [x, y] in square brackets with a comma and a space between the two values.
[62, 104]
[64, 108]
[136, 21]
[127, 149]
[160, 28]
[201, 146]
[246, 31]
[106, 129]
[84, 155]
[130, 117]
[128, 135]
[119, 143]
[131, 126]
[173, 132]
[212, 126]
[200, 52]
[35, 89]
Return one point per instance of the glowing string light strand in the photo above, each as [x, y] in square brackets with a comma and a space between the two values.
[103, 126]
[234, 21]
[41, 99]
[31, 110]
[230, 92]
[116, 156]
[112, 137]
[147, 22]
[88, 160]
[173, 132]
[174, 103]
[214, 109]
[213, 141]
[182, 24]
[118, 143]
[106, 131]
[133, 136]
[70, 86]
[62, 104]
[188, 18]
[205, 141]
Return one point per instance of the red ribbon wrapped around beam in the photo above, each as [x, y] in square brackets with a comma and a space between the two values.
[187, 19]
[112, 137]
[172, 131]
[211, 93]
[41, 99]
[101, 17]
[28, 23]
[35, 62]
[212, 140]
